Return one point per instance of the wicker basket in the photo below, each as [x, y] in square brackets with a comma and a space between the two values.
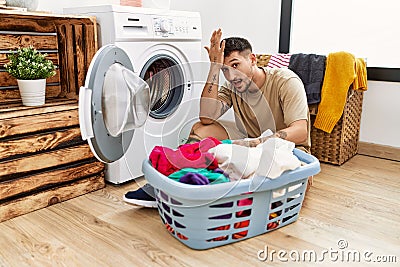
[342, 143]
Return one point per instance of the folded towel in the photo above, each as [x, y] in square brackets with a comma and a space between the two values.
[360, 82]
[279, 61]
[339, 75]
[310, 68]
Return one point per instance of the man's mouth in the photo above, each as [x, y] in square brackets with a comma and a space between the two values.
[236, 83]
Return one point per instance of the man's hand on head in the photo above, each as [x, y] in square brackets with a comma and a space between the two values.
[216, 49]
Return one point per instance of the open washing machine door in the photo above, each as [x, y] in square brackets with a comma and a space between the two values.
[112, 104]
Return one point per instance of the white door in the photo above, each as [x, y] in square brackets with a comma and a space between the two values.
[112, 104]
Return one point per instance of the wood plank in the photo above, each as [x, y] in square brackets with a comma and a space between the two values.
[52, 177]
[91, 44]
[16, 22]
[39, 143]
[42, 18]
[80, 58]
[12, 110]
[63, 66]
[379, 151]
[14, 168]
[12, 93]
[51, 56]
[7, 80]
[15, 41]
[40, 122]
[70, 58]
[49, 197]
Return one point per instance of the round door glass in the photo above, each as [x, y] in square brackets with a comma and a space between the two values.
[125, 100]
[166, 81]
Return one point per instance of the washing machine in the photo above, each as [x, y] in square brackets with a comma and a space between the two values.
[145, 61]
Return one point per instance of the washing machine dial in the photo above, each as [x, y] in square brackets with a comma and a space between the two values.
[165, 26]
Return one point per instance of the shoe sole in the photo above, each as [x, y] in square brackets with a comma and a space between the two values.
[142, 203]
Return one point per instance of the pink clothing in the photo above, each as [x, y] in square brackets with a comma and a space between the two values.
[195, 155]
[279, 61]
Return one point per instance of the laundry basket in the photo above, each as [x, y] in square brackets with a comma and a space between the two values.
[207, 216]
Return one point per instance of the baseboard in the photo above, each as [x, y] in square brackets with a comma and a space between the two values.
[380, 151]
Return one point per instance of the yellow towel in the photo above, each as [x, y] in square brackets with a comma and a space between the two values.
[360, 82]
[339, 75]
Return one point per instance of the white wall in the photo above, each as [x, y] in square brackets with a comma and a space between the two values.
[368, 29]
[57, 6]
[257, 21]
[380, 120]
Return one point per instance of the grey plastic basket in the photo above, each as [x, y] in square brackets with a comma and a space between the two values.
[207, 216]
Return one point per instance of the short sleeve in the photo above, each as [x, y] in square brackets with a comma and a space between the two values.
[294, 101]
[225, 94]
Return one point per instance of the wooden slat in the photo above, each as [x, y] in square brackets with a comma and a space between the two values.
[13, 93]
[35, 123]
[42, 19]
[15, 22]
[63, 66]
[7, 80]
[90, 42]
[44, 160]
[80, 57]
[8, 111]
[70, 58]
[53, 177]
[39, 142]
[15, 41]
[49, 197]
[51, 56]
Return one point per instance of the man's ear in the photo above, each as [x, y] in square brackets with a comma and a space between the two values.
[253, 59]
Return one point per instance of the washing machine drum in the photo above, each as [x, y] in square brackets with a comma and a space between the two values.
[112, 104]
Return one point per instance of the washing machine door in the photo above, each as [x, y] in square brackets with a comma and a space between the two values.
[112, 104]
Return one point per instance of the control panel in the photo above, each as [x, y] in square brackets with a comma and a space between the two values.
[167, 26]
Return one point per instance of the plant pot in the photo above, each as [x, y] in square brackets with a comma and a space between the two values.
[32, 92]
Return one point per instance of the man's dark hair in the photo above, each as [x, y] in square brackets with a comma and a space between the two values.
[236, 44]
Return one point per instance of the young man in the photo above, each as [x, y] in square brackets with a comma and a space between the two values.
[262, 98]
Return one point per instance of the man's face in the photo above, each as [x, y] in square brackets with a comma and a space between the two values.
[238, 70]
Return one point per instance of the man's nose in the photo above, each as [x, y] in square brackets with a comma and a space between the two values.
[229, 74]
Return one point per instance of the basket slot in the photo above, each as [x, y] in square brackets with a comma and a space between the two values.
[242, 224]
[220, 228]
[243, 213]
[275, 205]
[177, 214]
[223, 205]
[221, 217]
[166, 207]
[175, 202]
[240, 235]
[179, 225]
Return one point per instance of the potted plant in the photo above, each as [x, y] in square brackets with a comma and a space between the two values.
[31, 69]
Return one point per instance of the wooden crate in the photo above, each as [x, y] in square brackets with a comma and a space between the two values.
[43, 159]
[70, 43]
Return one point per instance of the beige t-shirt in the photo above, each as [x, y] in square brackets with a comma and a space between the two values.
[279, 102]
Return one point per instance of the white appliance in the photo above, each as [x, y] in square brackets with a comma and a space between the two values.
[161, 46]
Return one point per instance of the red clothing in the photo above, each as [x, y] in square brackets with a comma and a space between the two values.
[195, 155]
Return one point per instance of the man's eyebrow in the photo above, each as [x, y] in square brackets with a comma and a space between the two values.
[233, 59]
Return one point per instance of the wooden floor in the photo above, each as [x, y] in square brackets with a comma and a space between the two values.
[357, 204]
